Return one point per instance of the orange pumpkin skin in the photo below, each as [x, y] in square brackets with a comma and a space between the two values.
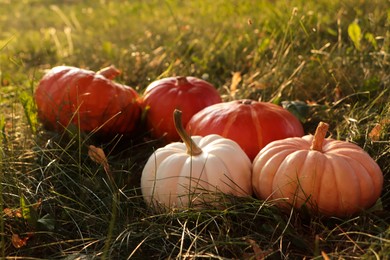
[91, 101]
[340, 179]
[162, 97]
[250, 123]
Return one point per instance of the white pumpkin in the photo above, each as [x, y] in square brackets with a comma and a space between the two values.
[181, 175]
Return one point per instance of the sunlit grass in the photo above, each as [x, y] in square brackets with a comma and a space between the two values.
[331, 56]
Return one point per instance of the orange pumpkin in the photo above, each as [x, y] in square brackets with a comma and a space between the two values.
[250, 123]
[163, 96]
[92, 101]
[333, 177]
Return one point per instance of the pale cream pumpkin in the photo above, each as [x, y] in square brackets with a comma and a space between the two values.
[186, 174]
[333, 177]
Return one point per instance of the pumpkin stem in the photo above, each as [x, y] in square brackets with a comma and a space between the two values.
[109, 72]
[319, 136]
[192, 147]
[246, 101]
[181, 80]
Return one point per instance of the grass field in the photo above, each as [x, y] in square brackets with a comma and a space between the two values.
[333, 56]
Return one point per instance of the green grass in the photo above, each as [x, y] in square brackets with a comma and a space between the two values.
[332, 55]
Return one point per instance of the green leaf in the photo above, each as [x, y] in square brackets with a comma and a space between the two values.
[28, 212]
[371, 39]
[25, 208]
[264, 45]
[355, 33]
[378, 206]
[299, 108]
[47, 222]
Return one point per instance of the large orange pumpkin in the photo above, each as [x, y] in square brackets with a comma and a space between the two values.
[250, 123]
[162, 97]
[91, 101]
[333, 177]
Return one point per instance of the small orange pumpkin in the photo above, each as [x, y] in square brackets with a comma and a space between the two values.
[333, 177]
[163, 96]
[92, 101]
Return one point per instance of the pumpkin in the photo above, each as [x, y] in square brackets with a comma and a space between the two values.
[91, 101]
[332, 177]
[162, 97]
[181, 175]
[250, 123]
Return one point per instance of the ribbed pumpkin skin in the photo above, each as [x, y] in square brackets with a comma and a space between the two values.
[162, 97]
[341, 180]
[69, 95]
[173, 178]
[250, 123]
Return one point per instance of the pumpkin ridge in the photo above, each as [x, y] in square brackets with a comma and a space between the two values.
[258, 128]
[326, 190]
[211, 159]
[299, 179]
[334, 185]
[284, 172]
[288, 118]
[358, 156]
[229, 123]
[124, 110]
[361, 156]
[318, 181]
[174, 188]
[203, 176]
[374, 188]
[152, 190]
[258, 175]
[318, 159]
[225, 174]
[345, 201]
[360, 173]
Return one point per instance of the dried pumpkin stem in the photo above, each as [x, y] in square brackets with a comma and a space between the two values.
[181, 80]
[192, 147]
[109, 72]
[319, 136]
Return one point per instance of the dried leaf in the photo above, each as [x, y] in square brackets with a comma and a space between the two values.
[338, 94]
[236, 79]
[375, 133]
[377, 130]
[260, 85]
[325, 256]
[13, 213]
[19, 242]
[259, 254]
[8, 212]
[97, 155]
[37, 204]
